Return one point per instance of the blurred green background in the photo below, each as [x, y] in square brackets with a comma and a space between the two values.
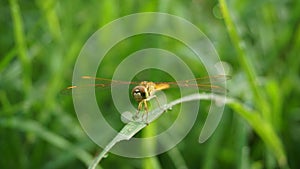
[40, 41]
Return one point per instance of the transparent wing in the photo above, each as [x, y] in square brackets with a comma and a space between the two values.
[99, 83]
[203, 83]
[102, 82]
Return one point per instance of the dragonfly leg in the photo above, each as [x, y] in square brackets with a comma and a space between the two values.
[140, 106]
[158, 102]
[146, 111]
[156, 98]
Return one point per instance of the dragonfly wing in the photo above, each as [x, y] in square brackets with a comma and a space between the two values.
[95, 82]
[208, 83]
[207, 79]
[103, 82]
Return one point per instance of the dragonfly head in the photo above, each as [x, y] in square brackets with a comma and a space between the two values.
[139, 93]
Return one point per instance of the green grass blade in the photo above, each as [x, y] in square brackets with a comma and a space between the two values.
[48, 9]
[54, 139]
[177, 158]
[125, 134]
[243, 60]
[21, 45]
[262, 128]
[134, 127]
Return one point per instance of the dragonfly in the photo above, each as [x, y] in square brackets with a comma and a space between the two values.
[144, 91]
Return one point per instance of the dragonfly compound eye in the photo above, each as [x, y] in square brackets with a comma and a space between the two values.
[139, 93]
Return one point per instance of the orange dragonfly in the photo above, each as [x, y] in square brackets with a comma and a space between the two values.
[145, 90]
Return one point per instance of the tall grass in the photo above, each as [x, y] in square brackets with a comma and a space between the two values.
[260, 40]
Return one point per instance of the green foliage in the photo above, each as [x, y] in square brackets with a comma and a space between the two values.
[260, 40]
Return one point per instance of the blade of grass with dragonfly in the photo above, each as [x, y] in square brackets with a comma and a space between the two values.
[133, 127]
